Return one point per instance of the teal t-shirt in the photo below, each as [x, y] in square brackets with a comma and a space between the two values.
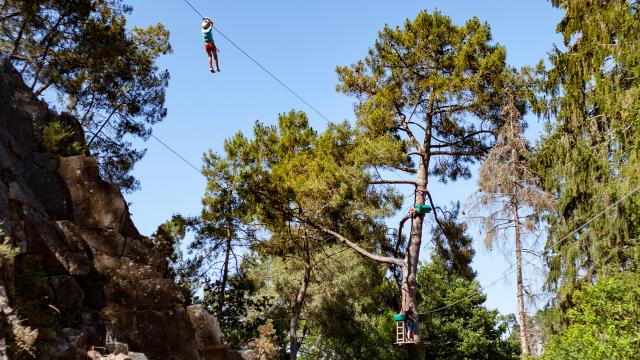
[208, 35]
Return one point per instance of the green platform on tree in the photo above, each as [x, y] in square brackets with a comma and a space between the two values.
[423, 209]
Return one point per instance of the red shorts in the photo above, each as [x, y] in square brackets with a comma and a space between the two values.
[210, 47]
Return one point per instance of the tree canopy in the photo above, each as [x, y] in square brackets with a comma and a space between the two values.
[103, 73]
[603, 323]
[458, 325]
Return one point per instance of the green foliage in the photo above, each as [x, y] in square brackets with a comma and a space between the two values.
[602, 321]
[58, 139]
[369, 337]
[167, 241]
[453, 246]
[103, 71]
[301, 186]
[456, 323]
[347, 310]
[288, 173]
[289, 180]
[422, 89]
[245, 310]
[428, 98]
[589, 158]
[223, 227]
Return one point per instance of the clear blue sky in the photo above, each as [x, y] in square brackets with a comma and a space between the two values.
[301, 42]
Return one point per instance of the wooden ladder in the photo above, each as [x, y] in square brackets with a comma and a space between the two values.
[401, 337]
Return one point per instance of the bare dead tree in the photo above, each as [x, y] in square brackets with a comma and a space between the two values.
[510, 199]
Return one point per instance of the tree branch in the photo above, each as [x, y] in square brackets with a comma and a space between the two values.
[457, 153]
[393, 182]
[42, 88]
[404, 169]
[405, 125]
[448, 144]
[418, 125]
[435, 213]
[354, 246]
[452, 108]
[399, 241]
[7, 17]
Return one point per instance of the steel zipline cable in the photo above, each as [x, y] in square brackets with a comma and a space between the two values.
[194, 9]
[282, 83]
[191, 164]
[511, 269]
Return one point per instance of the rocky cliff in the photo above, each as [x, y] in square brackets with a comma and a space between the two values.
[84, 277]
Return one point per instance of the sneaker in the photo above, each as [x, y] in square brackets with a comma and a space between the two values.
[212, 71]
[218, 69]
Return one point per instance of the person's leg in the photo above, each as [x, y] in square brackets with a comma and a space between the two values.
[412, 330]
[208, 49]
[215, 56]
[210, 62]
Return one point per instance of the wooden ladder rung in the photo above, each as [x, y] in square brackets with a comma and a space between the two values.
[400, 335]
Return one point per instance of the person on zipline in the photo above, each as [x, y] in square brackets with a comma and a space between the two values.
[209, 44]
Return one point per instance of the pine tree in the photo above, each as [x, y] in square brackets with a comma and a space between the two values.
[430, 92]
[103, 73]
[223, 228]
[295, 184]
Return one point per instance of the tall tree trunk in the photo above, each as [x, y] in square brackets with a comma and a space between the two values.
[410, 265]
[225, 273]
[522, 315]
[299, 301]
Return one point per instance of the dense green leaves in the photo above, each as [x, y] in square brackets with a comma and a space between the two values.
[283, 181]
[429, 94]
[423, 86]
[103, 73]
[456, 324]
[288, 174]
[346, 313]
[168, 241]
[603, 322]
[246, 309]
[590, 156]
[428, 91]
